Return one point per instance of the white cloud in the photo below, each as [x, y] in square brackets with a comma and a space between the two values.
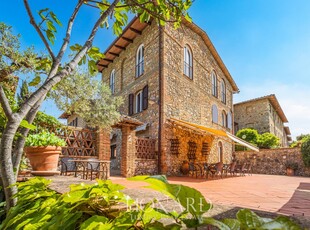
[294, 100]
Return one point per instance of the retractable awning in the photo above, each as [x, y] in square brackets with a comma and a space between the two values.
[217, 133]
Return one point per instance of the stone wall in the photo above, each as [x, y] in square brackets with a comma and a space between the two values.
[126, 82]
[260, 115]
[272, 161]
[185, 135]
[253, 114]
[191, 99]
[146, 167]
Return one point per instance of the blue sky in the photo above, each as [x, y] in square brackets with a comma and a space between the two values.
[264, 44]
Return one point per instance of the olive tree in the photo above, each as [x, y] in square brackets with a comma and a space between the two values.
[55, 67]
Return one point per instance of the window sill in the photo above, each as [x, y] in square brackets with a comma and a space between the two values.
[136, 77]
[187, 77]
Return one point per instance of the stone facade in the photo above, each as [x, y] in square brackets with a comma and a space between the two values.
[272, 161]
[191, 99]
[263, 115]
[182, 98]
[171, 94]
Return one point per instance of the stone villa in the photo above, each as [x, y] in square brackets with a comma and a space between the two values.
[265, 115]
[178, 99]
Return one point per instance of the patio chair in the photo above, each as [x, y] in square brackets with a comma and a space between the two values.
[67, 166]
[92, 168]
[232, 169]
[248, 169]
[205, 170]
[242, 169]
[193, 169]
[217, 169]
[226, 169]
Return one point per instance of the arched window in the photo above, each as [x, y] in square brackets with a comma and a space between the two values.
[112, 81]
[220, 151]
[139, 101]
[224, 119]
[229, 120]
[223, 91]
[214, 84]
[188, 62]
[140, 61]
[214, 114]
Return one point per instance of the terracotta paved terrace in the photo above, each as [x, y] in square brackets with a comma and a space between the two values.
[280, 194]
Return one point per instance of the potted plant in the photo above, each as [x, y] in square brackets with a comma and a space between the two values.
[291, 167]
[43, 150]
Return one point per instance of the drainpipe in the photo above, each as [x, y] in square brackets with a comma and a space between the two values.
[161, 96]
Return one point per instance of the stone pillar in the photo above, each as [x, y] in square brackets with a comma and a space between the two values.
[128, 154]
[103, 147]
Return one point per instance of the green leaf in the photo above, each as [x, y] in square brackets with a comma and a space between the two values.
[50, 36]
[35, 81]
[50, 26]
[233, 224]
[191, 199]
[26, 125]
[284, 222]
[216, 223]
[54, 17]
[96, 223]
[249, 219]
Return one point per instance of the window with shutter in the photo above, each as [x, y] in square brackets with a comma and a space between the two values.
[130, 104]
[145, 94]
[139, 101]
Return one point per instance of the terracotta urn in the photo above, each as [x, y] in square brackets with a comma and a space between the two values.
[43, 160]
[185, 168]
[290, 172]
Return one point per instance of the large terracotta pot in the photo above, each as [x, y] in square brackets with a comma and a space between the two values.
[185, 168]
[43, 159]
[290, 172]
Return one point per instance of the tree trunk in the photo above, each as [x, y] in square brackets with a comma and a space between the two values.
[20, 143]
[6, 165]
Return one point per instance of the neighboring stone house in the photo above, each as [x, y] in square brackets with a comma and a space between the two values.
[265, 115]
[169, 77]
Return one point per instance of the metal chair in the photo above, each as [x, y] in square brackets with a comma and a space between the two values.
[67, 166]
[193, 169]
[93, 168]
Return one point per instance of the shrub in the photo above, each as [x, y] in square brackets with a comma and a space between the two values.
[249, 135]
[268, 141]
[44, 139]
[305, 150]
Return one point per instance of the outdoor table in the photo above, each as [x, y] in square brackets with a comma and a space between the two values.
[102, 168]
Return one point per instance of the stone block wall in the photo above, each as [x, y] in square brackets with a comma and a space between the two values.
[174, 161]
[260, 115]
[126, 81]
[272, 161]
[191, 99]
[145, 166]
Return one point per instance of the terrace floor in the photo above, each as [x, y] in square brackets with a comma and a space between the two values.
[269, 193]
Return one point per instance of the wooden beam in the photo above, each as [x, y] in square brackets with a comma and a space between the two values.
[114, 54]
[120, 47]
[136, 31]
[105, 66]
[108, 60]
[127, 39]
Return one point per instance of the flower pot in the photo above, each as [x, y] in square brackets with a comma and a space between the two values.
[43, 160]
[290, 172]
[185, 168]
